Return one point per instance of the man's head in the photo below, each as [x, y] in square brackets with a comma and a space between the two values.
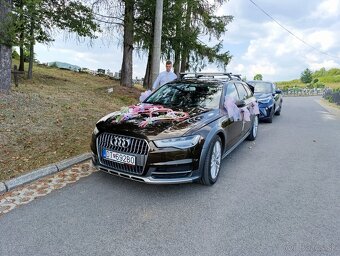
[168, 65]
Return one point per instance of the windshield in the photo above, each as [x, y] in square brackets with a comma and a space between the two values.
[262, 87]
[187, 95]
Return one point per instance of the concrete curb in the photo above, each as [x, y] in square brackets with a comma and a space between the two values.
[28, 177]
[42, 172]
[72, 161]
[3, 188]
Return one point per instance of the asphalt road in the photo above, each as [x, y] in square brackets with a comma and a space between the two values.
[277, 196]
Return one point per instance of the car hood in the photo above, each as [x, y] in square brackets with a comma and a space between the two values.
[260, 96]
[160, 129]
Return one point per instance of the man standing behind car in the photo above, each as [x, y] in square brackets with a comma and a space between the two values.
[165, 76]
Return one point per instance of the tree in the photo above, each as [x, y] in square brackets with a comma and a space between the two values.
[201, 20]
[36, 19]
[15, 54]
[306, 76]
[258, 77]
[119, 15]
[126, 77]
[157, 40]
[184, 22]
[5, 46]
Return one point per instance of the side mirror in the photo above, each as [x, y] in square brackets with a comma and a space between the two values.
[240, 103]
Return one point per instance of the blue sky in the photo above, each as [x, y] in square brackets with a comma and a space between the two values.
[257, 43]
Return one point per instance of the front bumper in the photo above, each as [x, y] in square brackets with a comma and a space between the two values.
[154, 176]
[153, 165]
[148, 180]
[265, 111]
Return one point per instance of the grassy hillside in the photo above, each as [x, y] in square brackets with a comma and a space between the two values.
[51, 117]
[330, 78]
[292, 83]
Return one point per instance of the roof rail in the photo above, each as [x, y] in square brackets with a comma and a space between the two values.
[209, 75]
[237, 76]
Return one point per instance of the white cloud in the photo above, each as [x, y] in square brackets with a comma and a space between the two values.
[327, 9]
[239, 68]
[278, 55]
[265, 67]
[324, 39]
[327, 64]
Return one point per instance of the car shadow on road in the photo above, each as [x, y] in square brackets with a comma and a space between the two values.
[111, 184]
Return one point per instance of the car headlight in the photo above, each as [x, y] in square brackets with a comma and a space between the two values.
[95, 131]
[180, 142]
[265, 100]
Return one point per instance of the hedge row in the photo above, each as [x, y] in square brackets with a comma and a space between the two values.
[332, 96]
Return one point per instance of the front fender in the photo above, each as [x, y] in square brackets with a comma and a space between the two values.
[215, 129]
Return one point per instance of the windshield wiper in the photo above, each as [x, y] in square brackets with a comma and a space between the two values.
[156, 103]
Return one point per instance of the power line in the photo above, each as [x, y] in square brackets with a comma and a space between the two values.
[300, 39]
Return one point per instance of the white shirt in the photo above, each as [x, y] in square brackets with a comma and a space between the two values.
[163, 78]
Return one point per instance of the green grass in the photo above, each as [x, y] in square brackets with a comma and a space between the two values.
[330, 82]
[290, 84]
[51, 117]
[330, 78]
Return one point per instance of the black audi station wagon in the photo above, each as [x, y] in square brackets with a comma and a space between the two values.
[179, 133]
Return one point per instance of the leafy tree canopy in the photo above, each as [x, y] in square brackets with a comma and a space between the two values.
[306, 76]
[48, 15]
[185, 24]
[258, 77]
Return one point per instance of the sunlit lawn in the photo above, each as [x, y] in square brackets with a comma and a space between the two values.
[51, 117]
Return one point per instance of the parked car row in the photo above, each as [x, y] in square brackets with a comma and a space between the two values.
[182, 131]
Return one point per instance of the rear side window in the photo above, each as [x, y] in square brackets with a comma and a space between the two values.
[243, 94]
[232, 92]
[249, 92]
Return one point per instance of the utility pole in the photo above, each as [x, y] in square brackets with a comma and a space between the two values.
[156, 51]
[5, 48]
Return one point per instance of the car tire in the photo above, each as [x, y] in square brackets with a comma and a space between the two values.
[212, 163]
[270, 118]
[278, 112]
[253, 130]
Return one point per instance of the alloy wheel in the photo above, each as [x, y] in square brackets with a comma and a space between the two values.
[255, 126]
[215, 162]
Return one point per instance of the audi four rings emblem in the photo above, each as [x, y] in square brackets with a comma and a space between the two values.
[120, 142]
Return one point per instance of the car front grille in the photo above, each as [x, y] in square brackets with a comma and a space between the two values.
[138, 148]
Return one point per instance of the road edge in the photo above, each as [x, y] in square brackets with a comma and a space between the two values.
[8, 185]
[330, 107]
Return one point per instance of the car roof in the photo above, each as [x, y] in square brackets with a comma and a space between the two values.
[212, 78]
[210, 74]
[259, 81]
[209, 77]
[199, 81]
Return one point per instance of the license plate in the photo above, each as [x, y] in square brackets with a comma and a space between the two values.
[119, 157]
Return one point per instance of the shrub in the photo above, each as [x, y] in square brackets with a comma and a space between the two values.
[15, 55]
[319, 85]
[286, 87]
